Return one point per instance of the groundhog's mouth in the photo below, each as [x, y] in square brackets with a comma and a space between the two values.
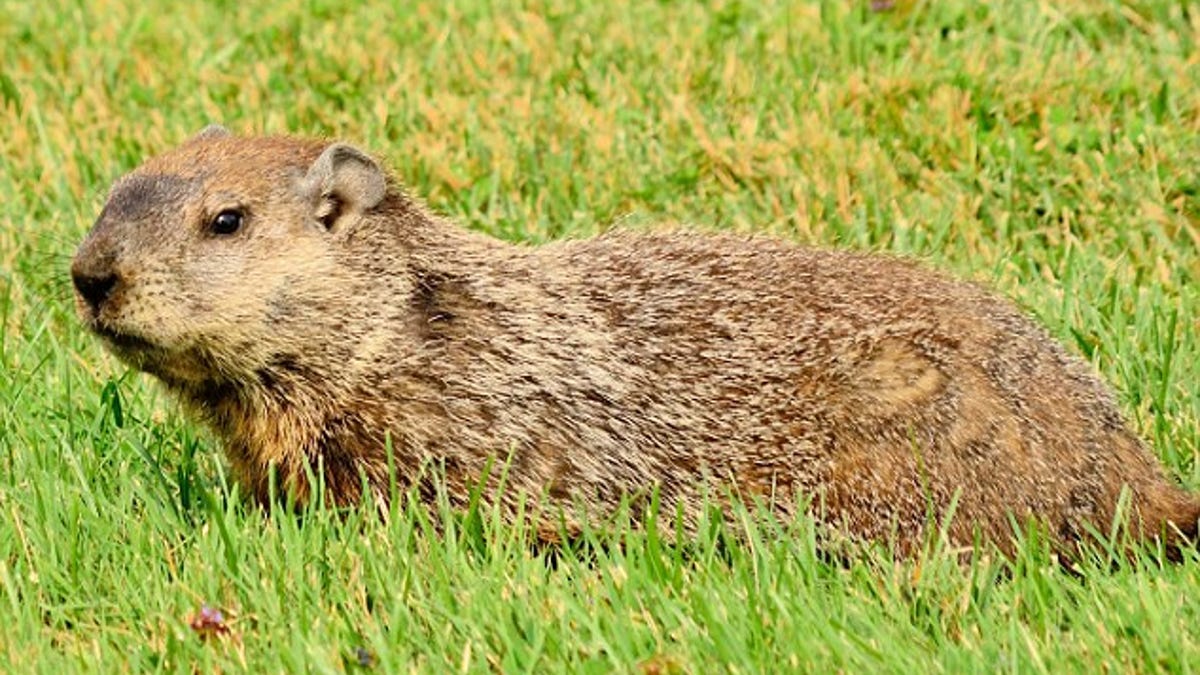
[171, 365]
[123, 342]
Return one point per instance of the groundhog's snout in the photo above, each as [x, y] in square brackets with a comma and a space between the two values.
[95, 278]
[94, 289]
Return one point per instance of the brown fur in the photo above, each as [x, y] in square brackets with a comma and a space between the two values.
[697, 365]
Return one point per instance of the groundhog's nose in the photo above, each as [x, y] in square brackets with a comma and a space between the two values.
[93, 287]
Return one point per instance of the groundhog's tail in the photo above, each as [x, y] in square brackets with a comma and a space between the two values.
[1162, 512]
[1177, 522]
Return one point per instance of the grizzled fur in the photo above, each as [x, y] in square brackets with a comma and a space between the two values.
[341, 316]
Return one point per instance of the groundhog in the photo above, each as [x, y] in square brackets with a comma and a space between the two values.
[291, 295]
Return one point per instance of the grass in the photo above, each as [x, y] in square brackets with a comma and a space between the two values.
[1048, 149]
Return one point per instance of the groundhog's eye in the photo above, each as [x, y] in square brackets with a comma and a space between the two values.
[226, 222]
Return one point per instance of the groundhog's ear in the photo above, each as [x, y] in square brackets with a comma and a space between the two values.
[211, 131]
[343, 180]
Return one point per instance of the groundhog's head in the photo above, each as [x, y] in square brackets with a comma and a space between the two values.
[209, 261]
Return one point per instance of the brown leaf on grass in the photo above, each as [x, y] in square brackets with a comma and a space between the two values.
[660, 664]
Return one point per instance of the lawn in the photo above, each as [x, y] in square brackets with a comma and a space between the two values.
[1048, 149]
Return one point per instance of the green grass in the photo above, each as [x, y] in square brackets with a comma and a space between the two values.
[1051, 149]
